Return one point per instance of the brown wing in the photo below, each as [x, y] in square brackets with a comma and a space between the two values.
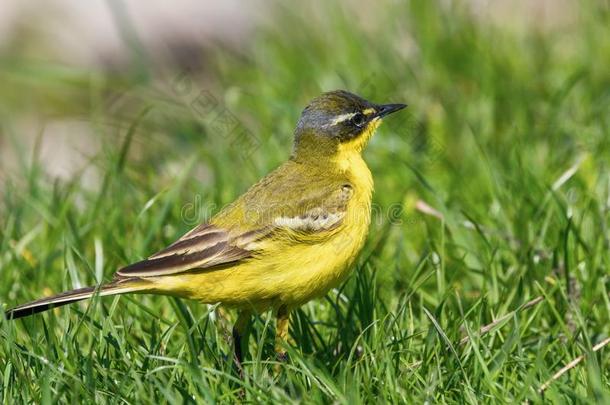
[204, 247]
[286, 201]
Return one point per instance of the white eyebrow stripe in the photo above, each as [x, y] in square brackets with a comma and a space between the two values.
[341, 118]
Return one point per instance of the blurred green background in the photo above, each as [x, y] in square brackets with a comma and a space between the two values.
[123, 125]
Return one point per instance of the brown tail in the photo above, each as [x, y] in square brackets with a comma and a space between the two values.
[68, 297]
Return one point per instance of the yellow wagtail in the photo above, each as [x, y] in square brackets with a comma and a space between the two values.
[290, 238]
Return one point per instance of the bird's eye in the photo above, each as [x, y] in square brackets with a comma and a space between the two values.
[358, 120]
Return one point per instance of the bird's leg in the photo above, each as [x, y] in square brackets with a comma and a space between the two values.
[281, 333]
[240, 339]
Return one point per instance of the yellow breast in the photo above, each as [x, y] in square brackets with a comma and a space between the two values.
[324, 266]
[292, 274]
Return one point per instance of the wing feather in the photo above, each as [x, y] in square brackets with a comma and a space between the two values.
[233, 235]
[203, 250]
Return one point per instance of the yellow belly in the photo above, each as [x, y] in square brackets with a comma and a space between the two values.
[286, 274]
[290, 277]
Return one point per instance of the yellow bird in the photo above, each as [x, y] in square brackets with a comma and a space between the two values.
[290, 238]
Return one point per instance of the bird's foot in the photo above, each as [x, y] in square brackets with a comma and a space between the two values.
[281, 357]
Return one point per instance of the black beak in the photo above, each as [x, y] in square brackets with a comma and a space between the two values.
[385, 109]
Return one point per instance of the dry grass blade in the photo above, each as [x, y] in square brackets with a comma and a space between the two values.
[571, 365]
[485, 329]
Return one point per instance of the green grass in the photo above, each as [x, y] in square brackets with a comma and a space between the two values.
[507, 135]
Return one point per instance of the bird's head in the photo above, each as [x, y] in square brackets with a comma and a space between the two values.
[336, 122]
